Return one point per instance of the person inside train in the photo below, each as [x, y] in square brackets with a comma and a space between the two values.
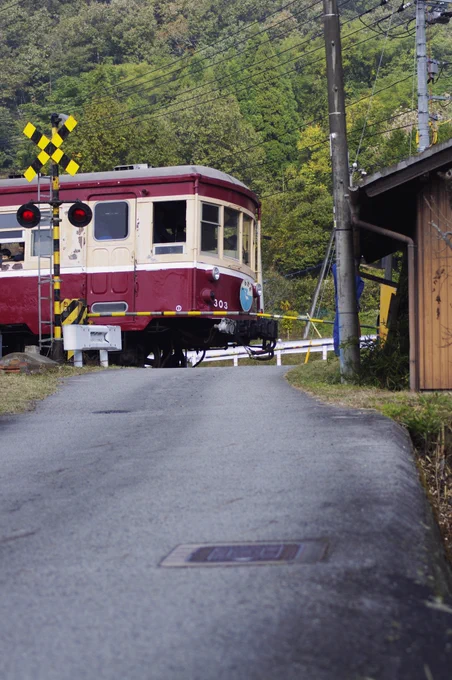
[5, 255]
[19, 257]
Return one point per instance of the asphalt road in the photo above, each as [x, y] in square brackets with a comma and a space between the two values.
[109, 475]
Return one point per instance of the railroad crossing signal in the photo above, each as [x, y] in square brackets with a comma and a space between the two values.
[50, 148]
[28, 215]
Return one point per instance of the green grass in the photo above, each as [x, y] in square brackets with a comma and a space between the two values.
[20, 392]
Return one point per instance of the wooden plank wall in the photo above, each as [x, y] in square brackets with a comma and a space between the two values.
[434, 278]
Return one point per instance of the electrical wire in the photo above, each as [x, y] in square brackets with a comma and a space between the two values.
[376, 29]
[173, 80]
[373, 88]
[130, 118]
[207, 47]
[326, 141]
[197, 70]
[14, 4]
[123, 116]
[240, 167]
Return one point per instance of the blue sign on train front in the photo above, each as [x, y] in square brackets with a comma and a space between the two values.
[246, 295]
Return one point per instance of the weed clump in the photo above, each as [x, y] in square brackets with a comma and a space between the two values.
[384, 365]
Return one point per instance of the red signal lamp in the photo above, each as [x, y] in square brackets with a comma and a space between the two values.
[80, 214]
[28, 215]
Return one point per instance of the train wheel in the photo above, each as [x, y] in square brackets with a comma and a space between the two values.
[174, 358]
[155, 357]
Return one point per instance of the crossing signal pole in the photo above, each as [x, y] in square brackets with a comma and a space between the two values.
[57, 349]
[29, 215]
[347, 308]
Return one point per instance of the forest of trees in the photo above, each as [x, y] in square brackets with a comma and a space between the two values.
[239, 85]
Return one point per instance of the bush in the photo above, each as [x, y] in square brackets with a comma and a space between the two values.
[385, 366]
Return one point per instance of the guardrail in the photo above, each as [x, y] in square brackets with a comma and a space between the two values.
[323, 345]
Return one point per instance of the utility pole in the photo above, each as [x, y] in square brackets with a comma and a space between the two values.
[422, 77]
[347, 307]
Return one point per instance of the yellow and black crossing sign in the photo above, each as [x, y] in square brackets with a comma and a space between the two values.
[50, 148]
[73, 311]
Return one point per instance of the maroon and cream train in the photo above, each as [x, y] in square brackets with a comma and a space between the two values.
[161, 239]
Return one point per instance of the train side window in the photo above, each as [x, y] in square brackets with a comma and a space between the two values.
[41, 238]
[210, 223]
[12, 247]
[246, 239]
[10, 229]
[231, 233]
[170, 222]
[41, 243]
[111, 221]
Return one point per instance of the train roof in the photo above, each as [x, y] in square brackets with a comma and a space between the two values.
[139, 173]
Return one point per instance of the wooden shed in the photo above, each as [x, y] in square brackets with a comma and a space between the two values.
[410, 205]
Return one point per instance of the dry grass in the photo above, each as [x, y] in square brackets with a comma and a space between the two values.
[20, 392]
[427, 417]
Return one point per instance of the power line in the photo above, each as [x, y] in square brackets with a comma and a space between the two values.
[233, 83]
[210, 65]
[326, 141]
[207, 47]
[373, 88]
[171, 80]
[238, 167]
[128, 119]
[123, 115]
[130, 115]
[4, 9]
[229, 75]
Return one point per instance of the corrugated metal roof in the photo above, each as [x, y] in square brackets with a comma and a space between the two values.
[431, 159]
[147, 173]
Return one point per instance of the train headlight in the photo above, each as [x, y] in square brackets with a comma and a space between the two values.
[214, 274]
[257, 290]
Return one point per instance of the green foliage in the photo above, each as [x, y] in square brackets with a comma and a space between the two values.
[384, 366]
[425, 420]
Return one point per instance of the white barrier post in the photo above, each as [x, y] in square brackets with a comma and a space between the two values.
[80, 338]
[236, 360]
[324, 352]
[278, 357]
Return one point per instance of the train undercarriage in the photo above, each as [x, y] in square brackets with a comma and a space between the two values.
[164, 343]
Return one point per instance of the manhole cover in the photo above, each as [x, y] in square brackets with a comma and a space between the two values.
[243, 554]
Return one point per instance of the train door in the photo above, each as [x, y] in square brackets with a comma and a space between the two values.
[110, 254]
